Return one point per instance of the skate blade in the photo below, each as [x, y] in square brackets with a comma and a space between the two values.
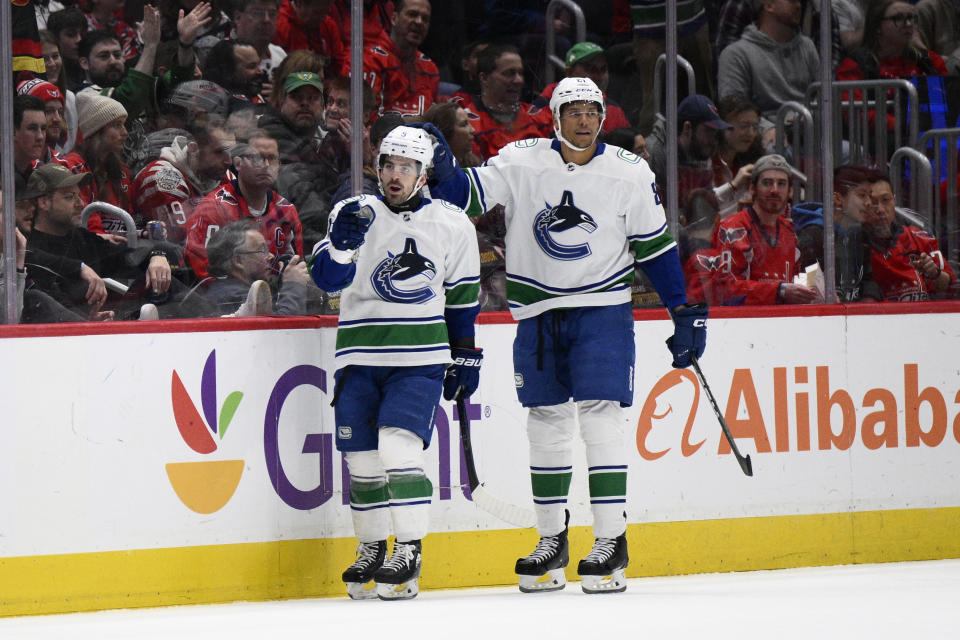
[362, 590]
[552, 580]
[404, 591]
[615, 582]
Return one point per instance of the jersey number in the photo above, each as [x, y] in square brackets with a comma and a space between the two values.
[656, 193]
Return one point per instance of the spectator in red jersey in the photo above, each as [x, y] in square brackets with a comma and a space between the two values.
[889, 50]
[377, 17]
[586, 59]
[250, 195]
[761, 243]
[103, 17]
[29, 133]
[255, 22]
[53, 108]
[403, 79]
[168, 189]
[907, 262]
[306, 24]
[497, 114]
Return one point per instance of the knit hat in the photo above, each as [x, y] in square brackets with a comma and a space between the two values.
[96, 112]
[42, 89]
[770, 162]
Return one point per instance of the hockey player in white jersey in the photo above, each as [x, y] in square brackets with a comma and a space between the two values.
[579, 215]
[409, 269]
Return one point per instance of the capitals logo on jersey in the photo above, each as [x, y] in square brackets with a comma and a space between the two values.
[558, 219]
[405, 277]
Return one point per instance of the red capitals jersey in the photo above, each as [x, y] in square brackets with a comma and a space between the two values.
[323, 39]
[709, 278]
[161, 192]
[406, 87]
[279, 224]
[615, 115]
[760, 258]
[490, 135]
[895, 273]
[75, 162]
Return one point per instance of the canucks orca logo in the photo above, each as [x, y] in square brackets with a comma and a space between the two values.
[560, 218]
[404, 277]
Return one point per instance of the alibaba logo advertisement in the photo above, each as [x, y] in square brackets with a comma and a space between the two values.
[801, 414]
[204, 486]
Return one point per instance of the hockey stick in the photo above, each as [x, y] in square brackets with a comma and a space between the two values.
[744, 462]
[481, 497]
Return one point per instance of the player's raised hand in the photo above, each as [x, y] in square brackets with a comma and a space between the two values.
[444, 164]
[188, 24]
[349, 228]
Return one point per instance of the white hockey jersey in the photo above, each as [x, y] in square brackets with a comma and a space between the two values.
[570, 228]
[411, 268]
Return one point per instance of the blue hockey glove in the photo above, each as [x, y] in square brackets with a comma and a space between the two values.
[444, 164]
[463, 374]
[689, 334]
[350, 226]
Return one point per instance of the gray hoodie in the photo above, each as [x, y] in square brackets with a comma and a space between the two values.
[766, 71]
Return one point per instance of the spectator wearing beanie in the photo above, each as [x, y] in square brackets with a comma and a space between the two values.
[99, 153]
[53, 105]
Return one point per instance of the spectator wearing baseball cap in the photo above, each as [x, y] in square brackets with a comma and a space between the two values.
[75, 260]
[588, 60]
[759, 242]
[53, 103]
[700, 127]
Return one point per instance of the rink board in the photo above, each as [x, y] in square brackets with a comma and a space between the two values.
[193, 462]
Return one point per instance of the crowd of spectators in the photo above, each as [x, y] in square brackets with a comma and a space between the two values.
[223, 129]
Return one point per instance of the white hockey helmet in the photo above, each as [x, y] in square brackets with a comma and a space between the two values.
[577, 89]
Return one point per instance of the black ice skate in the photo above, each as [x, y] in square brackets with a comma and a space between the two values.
[602, 570]
[542, 570]
[397, 579]
[359, 575]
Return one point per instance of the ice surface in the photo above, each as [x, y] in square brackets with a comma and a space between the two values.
[899, 600]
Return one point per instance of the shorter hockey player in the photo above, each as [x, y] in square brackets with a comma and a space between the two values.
[409, 269]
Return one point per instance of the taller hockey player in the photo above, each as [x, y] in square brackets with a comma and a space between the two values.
[579, 215]
[409, 303]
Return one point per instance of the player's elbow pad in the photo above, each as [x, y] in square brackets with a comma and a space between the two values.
[331, 275]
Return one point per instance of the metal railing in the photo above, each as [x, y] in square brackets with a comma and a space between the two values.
[553, 60]
[940, 146]
[801, 148]
[917, 192]
[116, 212]
[658, 73]
[850, 115]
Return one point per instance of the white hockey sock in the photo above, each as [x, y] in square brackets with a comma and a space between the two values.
[409, 488]
[550, 431]
[368, 496]
[602, 425]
